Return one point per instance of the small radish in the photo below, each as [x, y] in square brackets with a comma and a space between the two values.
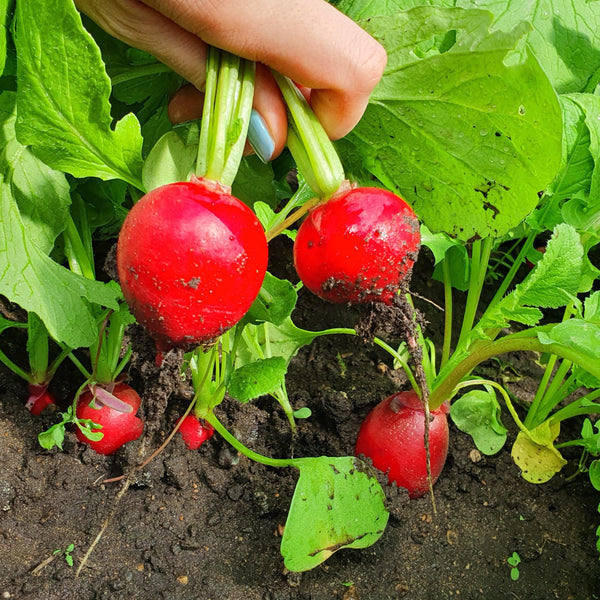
[357, 247]
[39, 399]
[392, 436]
[191, 260]
[195, 431]
[118, 426]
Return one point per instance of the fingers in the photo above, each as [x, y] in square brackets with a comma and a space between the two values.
[310, 41]
[144, 28]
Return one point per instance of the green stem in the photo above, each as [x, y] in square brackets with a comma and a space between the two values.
[14, 367]
[447, 343]
[138, 72]
[444, 387]
[226, 114]
[480, 258]
[76, 253]
[313, 151]
[542, 391]
[550, 398]
[259, 458]
[581, 406]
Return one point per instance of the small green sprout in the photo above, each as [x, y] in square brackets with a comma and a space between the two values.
[67, 552]
[514, 561]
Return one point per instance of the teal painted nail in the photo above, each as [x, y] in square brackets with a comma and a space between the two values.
[259, 137]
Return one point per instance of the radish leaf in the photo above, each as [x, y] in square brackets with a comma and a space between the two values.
[35, 282]
[337, 504]
[63, 97]
[564, 36]
[458, 129]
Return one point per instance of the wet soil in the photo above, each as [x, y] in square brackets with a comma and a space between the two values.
[206, 525]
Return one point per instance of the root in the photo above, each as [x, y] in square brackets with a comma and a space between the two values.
[105, 524]
[408, 316]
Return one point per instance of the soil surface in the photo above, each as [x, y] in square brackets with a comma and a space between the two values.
[206, 525]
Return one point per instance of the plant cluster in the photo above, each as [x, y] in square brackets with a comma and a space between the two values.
[480, 144]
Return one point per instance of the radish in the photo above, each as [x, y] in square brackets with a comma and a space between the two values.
[119, 423]
[191, 260]
[392, 436]
[39, 398]
[357, 247]
[195, 431]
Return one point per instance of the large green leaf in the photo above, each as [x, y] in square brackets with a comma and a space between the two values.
[4, 20]
[337, 504]
[41, 193]
[63, 97]
[565, 36]
[28, 277]
[458, 129]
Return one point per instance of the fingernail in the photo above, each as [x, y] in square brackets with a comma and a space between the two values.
[259, 137]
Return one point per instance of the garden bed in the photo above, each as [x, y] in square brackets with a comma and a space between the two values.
[207, 524]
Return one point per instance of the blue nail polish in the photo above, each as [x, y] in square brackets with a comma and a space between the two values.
[259, 137]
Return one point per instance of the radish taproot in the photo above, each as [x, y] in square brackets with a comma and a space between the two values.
[117, 426]
[195, 431]
[357, 247]
[392, 436]
[191, 259]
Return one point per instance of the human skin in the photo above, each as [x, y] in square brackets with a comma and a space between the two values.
[336, 63]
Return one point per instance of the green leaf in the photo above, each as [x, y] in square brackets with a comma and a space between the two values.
[274, 303]
[62, 299]
[577, 334]
[4, 23]
[552, 283]
[564, 36]
[258, 378]
[254, 182]
[594, 472]
[63, 97]
[459, 132]
[41, 193]
[534, 453]
[478, 414]
[337, 504]
[53, 436]
[170, 160]
[273, 340]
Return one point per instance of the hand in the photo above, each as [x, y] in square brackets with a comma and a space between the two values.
[310, 41]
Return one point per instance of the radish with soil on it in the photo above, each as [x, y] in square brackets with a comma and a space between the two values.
[357, 247]
[191, 257]
[392, 436]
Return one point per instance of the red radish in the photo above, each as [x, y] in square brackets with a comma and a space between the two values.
[118, 427]
[39, 398]
[358, 246]
[191, 260]
[392, 436]
[195, 432]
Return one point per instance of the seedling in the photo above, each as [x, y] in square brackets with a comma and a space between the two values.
[514, 561]
[67, 553]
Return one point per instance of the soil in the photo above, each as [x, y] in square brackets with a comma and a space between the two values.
[206, 525]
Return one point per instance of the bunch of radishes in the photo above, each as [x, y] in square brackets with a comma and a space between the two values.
[191, 260]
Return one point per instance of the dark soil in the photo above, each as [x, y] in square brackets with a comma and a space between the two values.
[207, 524]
